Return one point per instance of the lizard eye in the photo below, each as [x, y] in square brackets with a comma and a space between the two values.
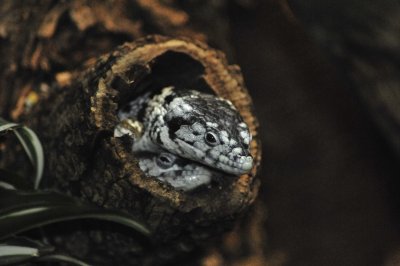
[211, 138]
[165, 160]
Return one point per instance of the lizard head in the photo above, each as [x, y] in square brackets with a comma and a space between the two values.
[209, 130]
[178, 172]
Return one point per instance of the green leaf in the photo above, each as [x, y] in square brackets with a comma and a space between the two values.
[18, 250]
[10, 254]
[31, 144]
[9, 178]
[63, 258]
[6, 185]
[34, 150]
[15, 255]
[22, 211]
[28, 242]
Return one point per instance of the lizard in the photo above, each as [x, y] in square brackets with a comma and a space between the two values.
[194, 125]
[178, 172]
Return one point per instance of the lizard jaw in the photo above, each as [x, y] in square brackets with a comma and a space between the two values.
[239, 166]
[232, 164]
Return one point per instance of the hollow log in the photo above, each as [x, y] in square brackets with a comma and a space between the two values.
[73, 110]
[76, 122]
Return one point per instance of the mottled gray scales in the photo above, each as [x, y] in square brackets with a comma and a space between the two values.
[176, 171]
[199, 127]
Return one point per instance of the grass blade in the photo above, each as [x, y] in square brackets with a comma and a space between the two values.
[31, 144]
[10, 254]
[19, 250]
[16, 255]
[14, 180]
[6, 185]
[6, 250]
[6, 126]
[63, 258]
[33, 149]
[32, 210]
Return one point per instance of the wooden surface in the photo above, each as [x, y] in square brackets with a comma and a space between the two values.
[329, 193]
[77, 92]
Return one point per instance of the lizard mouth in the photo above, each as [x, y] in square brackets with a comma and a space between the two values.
[233, 164]
[239, 166]
[189, 176]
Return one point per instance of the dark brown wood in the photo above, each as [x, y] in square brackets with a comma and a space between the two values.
[55, 81]
[76, 124]
[75, 121]
[42, 40]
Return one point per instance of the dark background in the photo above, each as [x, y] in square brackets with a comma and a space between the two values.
[330, 178]
[330, 175]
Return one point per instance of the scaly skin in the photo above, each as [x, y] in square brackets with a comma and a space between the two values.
[197, 126]
[176, 171]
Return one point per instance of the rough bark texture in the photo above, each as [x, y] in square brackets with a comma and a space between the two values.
[73, 109]
[42, 39]
[329, 178]
[76, 125]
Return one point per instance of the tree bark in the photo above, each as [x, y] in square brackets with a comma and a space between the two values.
[54, 78]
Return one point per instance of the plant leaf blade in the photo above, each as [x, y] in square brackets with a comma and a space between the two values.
[32, 210]
[10, 254]
[31, 144]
